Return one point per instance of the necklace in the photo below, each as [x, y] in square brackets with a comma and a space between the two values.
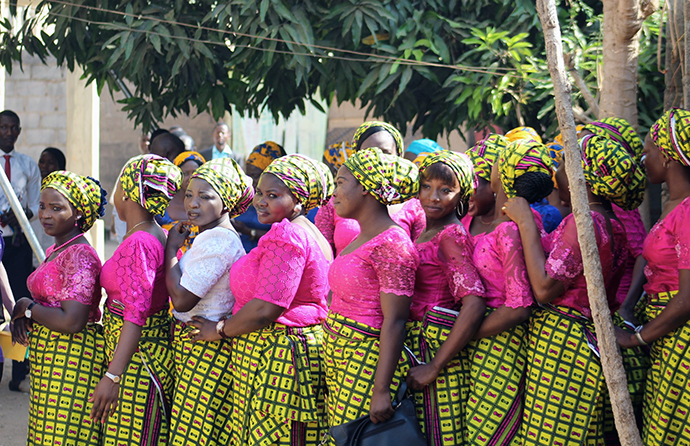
[483, 222]
[593, 203]
[133, 227]
[68, 241]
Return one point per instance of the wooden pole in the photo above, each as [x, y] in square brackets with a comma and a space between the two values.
[611, 361]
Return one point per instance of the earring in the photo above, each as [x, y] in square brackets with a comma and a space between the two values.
[460, 210]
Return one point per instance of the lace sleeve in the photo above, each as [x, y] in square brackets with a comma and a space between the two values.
[395, 261]
[281, 266]
[211, 256]
[137, 261]
[682, 235]
[411, 218]
[518, 290]
[325, 221]
[565, 260]
[79, 268]
[455, 254]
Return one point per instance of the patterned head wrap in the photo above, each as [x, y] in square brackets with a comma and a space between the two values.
[84, 193]
[188, 155]
[310, 181]
[484, 154]
[336, 154]
[228, 180]
[671, 134]
[612, 172]
[423, 145]
[460, 164]
[370, 127]
[555, 152]
[520, 157]
[620, 131]
[264, 154]
[150, 181]
[559, 138]
[390, 179]
[419, 158]
[519, 133]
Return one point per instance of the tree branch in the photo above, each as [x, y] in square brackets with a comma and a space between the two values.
[581, 84]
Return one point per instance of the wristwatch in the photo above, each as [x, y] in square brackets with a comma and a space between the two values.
[27, 313]
[114, 378]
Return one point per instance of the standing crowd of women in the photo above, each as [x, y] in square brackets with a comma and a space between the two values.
[436, 272]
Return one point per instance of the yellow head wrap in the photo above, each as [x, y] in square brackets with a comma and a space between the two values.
[520, 157]
[461, 166]
[519, 133]
[389, 178]
[484, 154]
[620, 131]
[369, 128]
[671, 134]
[188, 155]
[151, 181]
[228, 180]
[84, 193]
[310, 181]
[336, 154]
[264, 154]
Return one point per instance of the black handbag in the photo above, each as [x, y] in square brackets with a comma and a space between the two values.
[402, 429]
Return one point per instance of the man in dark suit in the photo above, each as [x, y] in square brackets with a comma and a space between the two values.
[220, 147]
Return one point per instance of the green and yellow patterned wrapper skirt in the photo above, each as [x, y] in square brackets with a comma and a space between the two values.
[351, 354]
[565, 391]
[667, 394]
[143, 411]
[496, 387]
[278, 387]
[441, 405]
[202, 400]
[65, 369]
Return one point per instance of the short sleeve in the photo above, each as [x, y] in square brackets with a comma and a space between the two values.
[210, 257]
[455, 254]
[509, 248]
[682, 235]
[138, 261]
[565, 260]
[79, 268]
[411, 218]
[325, 221]
[281, 265]
[395, 261]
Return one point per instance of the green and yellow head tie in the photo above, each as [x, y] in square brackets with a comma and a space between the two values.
[84, 193]
[310, 181]
[485, 153]
[370, 127]
[389, 178]
[461, 166]
[671, 134]
[264, 154]
[520, 157]
[612, 172]
[620, 131]
[230, 182]
[336, 154]
[150, 181]
[519, 133]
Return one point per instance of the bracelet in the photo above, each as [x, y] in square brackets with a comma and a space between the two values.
[252, 234]
[220, 329]
[639, 336]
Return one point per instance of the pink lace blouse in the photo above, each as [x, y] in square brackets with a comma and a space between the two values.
[340, 232]
[636, 234]
[446, 272]
[287, 269]
[385, 264]
[134, 277]
[72, 275]
[565, 262]
[545, 236]
[667, 250]
[500, 260]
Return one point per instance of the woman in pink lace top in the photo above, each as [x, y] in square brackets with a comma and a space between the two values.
[132, 399]
[561, 334]
[280, 294]
[372, 282]
[66, 347]
[666, 252]
[446, 281]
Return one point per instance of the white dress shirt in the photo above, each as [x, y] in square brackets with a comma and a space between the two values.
[26, 182]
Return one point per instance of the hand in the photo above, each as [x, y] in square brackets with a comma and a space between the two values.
[203, 330]
[240, 227]
[104, 399]
[381, 407]
[421, 376]
[625, 338]
[518, 210]
[628, 315]
[20, 308]
[20, 331]
[177, 236]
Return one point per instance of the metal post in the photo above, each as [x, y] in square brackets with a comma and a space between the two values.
[21, 216]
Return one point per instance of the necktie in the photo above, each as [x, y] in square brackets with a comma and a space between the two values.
[8, 167]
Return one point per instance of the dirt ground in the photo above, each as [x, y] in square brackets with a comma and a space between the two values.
[14, 412]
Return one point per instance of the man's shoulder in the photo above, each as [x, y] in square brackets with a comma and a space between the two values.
[25, 158]
[207, 153]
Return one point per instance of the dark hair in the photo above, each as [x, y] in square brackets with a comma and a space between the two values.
[439, 171]
[11, 114]
[533, 186]
[58, 155]
[157, 132]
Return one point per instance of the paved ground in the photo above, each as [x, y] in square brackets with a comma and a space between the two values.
[14, 412]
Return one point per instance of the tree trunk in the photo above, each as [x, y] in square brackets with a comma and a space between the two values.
[622, 22]
[611, 361]
[673, 71]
